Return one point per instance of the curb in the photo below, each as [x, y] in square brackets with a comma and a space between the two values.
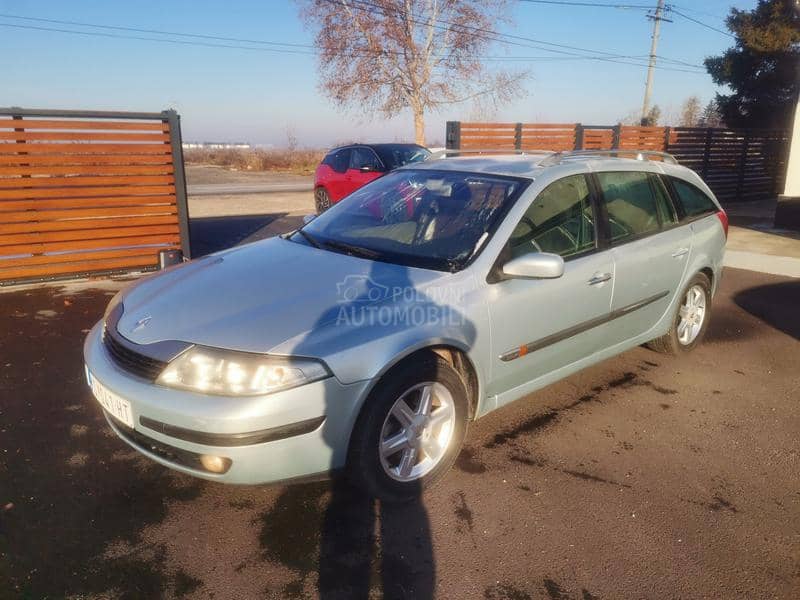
[765, 263]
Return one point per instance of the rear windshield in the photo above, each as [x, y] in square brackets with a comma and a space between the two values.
[423, 218]
[694, 201]
[397, 155]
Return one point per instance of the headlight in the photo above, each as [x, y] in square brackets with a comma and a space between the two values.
[229, 373]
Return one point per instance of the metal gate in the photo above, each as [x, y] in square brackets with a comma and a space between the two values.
[88, 193]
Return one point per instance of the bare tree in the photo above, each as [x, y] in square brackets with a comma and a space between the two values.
[690, 112]
[389, 55]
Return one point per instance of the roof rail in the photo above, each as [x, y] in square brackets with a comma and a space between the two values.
[460, 152]
[556, 157]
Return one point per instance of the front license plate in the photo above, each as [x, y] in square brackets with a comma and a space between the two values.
[114, 404]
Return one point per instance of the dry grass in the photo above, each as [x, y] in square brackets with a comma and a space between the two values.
[300, 162]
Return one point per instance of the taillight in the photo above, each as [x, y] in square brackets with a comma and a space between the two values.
[723, 218]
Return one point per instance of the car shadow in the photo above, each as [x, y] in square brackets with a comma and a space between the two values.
[775, 304]
[212, 234]
[360, 546]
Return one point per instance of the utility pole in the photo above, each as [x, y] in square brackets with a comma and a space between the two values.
[648, 88]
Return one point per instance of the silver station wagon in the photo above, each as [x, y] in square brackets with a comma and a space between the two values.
[367, 340]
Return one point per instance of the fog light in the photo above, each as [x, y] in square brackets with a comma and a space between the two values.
[215, 464]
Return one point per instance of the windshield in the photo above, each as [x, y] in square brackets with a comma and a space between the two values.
[423, 218]
[397, 155]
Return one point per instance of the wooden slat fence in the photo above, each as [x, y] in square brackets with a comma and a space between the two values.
[85, 193]
[738, 165]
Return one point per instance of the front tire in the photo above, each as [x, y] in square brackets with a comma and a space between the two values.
[690, 322]
[322, 199]
[410, 430]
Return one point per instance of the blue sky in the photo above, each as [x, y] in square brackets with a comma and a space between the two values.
[255, 96]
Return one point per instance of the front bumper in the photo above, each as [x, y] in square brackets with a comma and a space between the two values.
[214, 418]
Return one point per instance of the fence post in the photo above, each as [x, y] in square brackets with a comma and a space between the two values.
[578, 136]
[518, 136]
[667, 132]
[453, 135]
[616, 136]
[176, 143]
[707, 151]
[742, 165]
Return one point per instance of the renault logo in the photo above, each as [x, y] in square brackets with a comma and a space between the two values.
[141, 323]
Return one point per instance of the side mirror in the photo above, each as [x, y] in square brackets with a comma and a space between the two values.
[308, 218]
[535, 265]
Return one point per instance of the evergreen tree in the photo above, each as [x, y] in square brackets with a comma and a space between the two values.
[710, 116]
[762, 68]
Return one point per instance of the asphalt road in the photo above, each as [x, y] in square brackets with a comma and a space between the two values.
[643, 477]
[230, 189]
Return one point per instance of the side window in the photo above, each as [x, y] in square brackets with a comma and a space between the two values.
[694, 201]
[560, 220]
[666, 211]
[364, 157]
[630, 203]
[338, 160]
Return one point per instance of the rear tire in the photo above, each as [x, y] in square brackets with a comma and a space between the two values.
[690, 321]
[322, 200]
[395, 453]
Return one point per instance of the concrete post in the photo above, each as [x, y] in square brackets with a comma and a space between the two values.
[787, 213]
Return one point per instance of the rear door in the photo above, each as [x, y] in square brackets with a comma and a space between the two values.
[650, 247]
[364, 167]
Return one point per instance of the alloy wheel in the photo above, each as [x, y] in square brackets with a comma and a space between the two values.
[323, 200]
[417, 431]
[691, 315]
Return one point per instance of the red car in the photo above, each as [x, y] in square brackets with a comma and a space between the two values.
[347, 168]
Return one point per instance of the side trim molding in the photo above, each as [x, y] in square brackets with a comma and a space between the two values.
[560, 336]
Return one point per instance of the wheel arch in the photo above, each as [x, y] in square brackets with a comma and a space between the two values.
[451, 351]
[709, 272]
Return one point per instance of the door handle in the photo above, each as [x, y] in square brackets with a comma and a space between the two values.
[599, 278]
[680, 252]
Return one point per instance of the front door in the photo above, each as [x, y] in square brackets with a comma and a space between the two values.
[539, 326]
[364, 167]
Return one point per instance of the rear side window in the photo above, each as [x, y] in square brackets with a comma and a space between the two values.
[694, 201]
[666, 210]
[560, 220]
[338, 160]
[630, 203]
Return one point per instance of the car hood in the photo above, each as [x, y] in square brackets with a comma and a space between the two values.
[254, 297]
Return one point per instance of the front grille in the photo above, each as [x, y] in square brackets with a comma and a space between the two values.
[131, 361]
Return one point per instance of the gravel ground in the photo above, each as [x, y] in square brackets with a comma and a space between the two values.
[642, 477]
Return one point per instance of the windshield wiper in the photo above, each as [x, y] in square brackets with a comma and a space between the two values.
[351, 249]
[309, 238]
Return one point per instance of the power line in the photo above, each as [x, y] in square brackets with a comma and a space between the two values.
[699, 12]
[304, 49]
[156, 31]
[706, 25]
[590, 4]
[152, 39]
